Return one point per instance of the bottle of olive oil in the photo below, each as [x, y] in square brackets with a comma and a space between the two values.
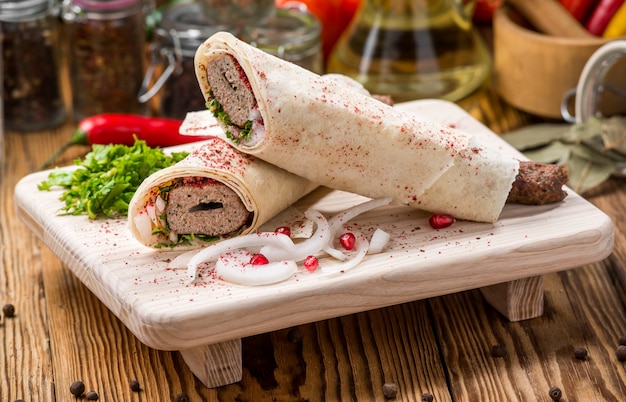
[413, 49]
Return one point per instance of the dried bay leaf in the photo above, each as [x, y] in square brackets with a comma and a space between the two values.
[586, 167]
[536, 135]
[584, 173]
[555, 152]
[613, 134]
[597, 144]
[590, 128]
[581, 147]
[591, 154]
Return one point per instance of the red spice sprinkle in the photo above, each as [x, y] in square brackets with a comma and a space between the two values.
[311, 263]
[440, 221]
[283, 230]
[258, 259]
[347, 240]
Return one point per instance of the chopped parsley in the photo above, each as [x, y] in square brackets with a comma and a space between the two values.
[218, 112]
[242, 133]
[107, 178]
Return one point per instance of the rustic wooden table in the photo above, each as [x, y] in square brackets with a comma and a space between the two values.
[443, 346]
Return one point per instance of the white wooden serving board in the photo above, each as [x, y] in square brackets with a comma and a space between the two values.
[165, 311]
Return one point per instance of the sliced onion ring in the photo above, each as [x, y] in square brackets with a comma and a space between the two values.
[311, 246]
[143, 223]
[337, 221]
[335, 253]
[282, 252]
[379, 240]
[245, 241]
[361, 246]
[235, 267]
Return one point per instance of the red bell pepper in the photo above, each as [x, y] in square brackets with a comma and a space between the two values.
[601, 16]
[115, 128]
[580, 9]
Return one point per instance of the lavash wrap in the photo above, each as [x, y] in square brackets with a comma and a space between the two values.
[264, 189]
[346, 140]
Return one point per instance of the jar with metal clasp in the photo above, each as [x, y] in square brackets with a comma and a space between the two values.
[601, 88]
[292, 34]
[30, 53]
[106, 55]
[170, 80]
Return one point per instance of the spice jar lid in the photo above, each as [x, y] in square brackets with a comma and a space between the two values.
[23, 9]
[186, 26]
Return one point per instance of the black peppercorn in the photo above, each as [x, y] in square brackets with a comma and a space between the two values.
[8, 310]
[620, 352]
[92, 396]
[427, 397]
[622, 341]
[182, 397]
[134, 386]
[390, 390]
[580, 353]
[498, 350]
[555, 393]
[77, 388]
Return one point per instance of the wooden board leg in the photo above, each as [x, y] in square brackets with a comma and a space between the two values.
[216, 365]
[517, 300]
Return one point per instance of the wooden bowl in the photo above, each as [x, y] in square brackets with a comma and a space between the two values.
[534, 71]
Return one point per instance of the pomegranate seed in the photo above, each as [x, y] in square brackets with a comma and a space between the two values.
[283, 230]
[440, 221]
[347, 240]
[311, 263]
[258, 259]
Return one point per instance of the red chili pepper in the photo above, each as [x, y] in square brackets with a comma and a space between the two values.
[115, 128]
[601, 16]
[580, 9]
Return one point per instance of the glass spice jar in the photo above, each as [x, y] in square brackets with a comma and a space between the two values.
[106, 55]
[237, 13]
[170, 79]
[290, 33]
[31, 90]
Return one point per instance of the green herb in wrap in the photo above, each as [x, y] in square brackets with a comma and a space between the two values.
[107, 178]
[241, 133]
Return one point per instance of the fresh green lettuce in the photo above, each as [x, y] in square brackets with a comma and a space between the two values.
[107, 178]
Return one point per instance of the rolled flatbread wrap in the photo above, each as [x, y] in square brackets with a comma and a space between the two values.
[215, 192]
[344, 139]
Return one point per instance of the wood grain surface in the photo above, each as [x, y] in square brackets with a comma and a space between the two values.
[441, 345]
